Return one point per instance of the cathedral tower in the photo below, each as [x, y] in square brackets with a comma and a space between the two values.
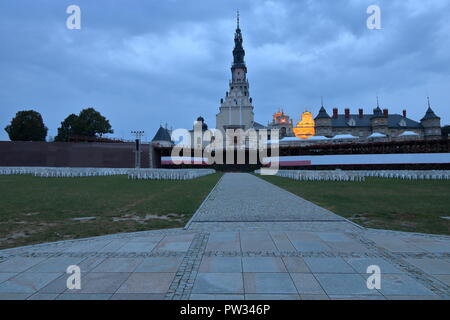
[236, 109]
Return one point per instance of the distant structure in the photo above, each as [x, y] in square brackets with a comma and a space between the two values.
[306, 127]
[162, 138]
[282, 122]
[382, 122]
[378, 124]
[236, 111]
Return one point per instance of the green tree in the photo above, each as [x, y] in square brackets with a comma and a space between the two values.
[67, 129]
[27, 125]
[88, 123]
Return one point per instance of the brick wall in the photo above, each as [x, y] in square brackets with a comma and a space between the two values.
[70, 154]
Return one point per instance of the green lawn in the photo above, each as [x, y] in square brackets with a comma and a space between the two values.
[415, 206]
[36, 210]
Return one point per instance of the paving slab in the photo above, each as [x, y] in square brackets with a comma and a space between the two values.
[295, 264]
[361, 265]
[19, 264]
[6, 276]
[307, 284]
[58, 264]
[27, 282]
[106, 282]
[329, 265]
[269, 283]
[263, 264]
[57, 286]
[431, 266]
[118, 265]
[224, 241]
[159, 264]
[219, 283]
[344, 284]
[399, 284]
[147, 282]
[221, 264]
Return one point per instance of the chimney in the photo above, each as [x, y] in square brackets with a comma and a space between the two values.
[335, 112]
[385, 112]
[404, 113]
[361, 113]
[347, 113]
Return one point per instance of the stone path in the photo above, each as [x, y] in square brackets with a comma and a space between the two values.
[248, 240]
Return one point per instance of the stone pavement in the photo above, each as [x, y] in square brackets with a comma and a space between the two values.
[248, 240]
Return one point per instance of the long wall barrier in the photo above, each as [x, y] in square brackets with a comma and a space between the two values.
[155, 174]
[357, 176]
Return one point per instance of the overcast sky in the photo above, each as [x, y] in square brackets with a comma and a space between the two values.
[143, 63]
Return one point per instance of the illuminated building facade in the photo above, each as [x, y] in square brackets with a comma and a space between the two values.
[306, 127]
[282, 122]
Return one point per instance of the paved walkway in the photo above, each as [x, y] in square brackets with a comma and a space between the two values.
[248, 240]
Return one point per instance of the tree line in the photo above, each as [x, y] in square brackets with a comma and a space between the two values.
[28, 125]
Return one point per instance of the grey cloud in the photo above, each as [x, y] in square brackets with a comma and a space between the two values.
[142, 63]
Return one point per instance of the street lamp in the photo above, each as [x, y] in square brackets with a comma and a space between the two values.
[137, 151]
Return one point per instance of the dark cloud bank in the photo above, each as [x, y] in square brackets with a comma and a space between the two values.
[142, 63]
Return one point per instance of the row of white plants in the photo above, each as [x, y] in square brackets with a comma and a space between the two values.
[168, 174]
[406, 174]
[154, 174]
[360, 175]
[304, 175]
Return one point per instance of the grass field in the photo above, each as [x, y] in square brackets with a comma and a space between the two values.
[415, 206]
[35, 210]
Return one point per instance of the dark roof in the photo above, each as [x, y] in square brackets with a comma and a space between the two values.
[393, 121]
[258, 126]
[430, 115]
[322, 114]
[377, 112]
[162, 135]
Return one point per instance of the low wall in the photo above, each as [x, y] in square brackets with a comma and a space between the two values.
[71, 154]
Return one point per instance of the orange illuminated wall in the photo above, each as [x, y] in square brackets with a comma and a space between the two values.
[306, 127]
[280, 118]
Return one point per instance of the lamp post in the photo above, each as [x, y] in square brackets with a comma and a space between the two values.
[137, 151]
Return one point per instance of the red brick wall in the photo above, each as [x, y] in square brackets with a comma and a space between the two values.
[70, 154]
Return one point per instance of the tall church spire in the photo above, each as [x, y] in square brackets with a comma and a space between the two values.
[237, 19]
[238, 51]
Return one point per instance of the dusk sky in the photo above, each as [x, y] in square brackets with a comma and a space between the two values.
[145, 63]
